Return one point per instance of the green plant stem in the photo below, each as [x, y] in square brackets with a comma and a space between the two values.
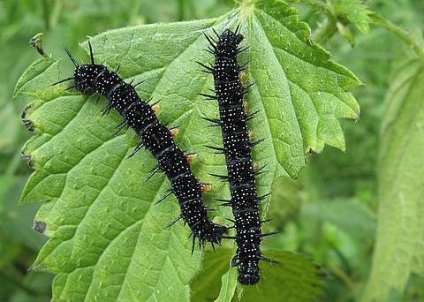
[180, 10]
[400, 33]
[133, 16]
[14, 164]
[45, 6]
[56, 11]
[343, 277]
[325, 31]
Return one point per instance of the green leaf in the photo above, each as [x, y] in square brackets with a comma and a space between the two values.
[107, 238]
[354, 11]
[229, 285]
[399, 249]
[345, 12]
[34, 81]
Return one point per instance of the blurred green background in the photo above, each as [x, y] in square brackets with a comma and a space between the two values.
[328, 213]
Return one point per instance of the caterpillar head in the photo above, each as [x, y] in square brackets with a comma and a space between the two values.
[85, 77]
[228, 42]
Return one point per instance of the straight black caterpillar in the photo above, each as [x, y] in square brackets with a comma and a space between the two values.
[155, 137]
[237, 148]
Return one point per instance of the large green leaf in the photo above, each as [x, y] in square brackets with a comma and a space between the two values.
[107, 238]
[400, 234]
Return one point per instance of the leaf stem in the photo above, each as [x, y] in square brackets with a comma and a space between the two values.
[343, 277]
[46, 18]
[402, 34]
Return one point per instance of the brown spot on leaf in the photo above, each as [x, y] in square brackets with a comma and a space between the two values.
[28, 159]
[39, 226]
[27, 122]
[312, 151]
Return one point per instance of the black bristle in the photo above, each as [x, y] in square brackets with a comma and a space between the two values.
[221, 177]
[164, 197]
[119, 127]
[153, 172]
[136, 149]
[215, 122]
[207, 69]
[174, 221]
[208, 96]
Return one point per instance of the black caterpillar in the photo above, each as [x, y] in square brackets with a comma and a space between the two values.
[155, 137]
[237, 148]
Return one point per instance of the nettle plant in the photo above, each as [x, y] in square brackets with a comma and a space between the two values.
[108, 239]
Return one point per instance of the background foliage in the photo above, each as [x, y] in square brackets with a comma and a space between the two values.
[329, 213]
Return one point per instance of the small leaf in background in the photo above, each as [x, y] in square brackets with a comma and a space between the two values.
[348, 215]
[340, 15]
[399, 249]
[355, 12]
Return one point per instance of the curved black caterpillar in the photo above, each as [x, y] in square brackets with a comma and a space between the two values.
[155, 137]
[237, 148]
